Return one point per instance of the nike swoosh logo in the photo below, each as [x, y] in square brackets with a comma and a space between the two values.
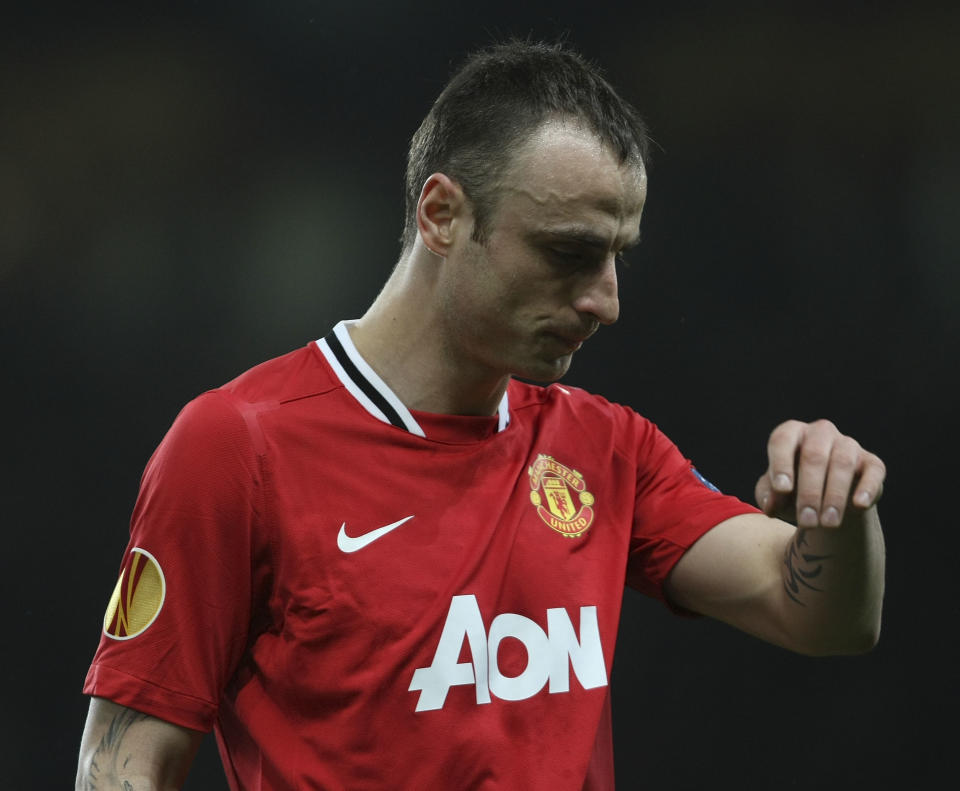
[353, 543]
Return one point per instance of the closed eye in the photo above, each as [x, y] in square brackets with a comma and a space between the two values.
[574, 249]
[568, 257]
[581, 258]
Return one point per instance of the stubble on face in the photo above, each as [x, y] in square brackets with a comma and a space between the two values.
[564, 194]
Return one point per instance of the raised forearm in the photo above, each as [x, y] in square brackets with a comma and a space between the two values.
[833, 580]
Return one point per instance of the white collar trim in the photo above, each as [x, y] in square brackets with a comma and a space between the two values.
[366, 386]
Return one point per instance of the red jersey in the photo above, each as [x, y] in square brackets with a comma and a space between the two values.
[360, 596]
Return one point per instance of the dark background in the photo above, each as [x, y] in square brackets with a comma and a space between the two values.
[187, 190]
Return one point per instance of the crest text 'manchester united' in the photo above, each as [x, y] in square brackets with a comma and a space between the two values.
[560, 496]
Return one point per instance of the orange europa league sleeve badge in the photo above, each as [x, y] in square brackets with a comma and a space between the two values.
[137, 598]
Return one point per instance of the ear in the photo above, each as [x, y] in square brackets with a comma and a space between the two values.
[441, 207]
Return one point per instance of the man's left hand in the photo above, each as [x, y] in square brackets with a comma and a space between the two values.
[818, 476]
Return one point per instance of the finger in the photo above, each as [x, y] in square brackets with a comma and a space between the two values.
[812, 463]
[873, 472]
[764, 494]
[782, 454]
[773, 503]
[845, 457]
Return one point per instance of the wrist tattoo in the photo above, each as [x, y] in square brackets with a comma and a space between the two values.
[801, 568]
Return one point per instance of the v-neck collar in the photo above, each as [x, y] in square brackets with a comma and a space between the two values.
[370, 391]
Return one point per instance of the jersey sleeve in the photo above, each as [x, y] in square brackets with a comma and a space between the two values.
[674, 506]
[177, 623]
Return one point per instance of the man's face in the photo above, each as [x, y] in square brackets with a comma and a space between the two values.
[523, 301]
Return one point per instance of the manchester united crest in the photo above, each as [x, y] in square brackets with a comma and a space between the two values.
[560, 496]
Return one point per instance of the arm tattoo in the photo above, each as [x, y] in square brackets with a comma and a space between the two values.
[106, 762]
[802, 568]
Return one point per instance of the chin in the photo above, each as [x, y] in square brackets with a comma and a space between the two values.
[545, 371]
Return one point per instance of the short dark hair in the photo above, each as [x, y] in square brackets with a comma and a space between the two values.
[494, 102]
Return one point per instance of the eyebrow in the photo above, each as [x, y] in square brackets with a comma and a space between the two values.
[585, 237]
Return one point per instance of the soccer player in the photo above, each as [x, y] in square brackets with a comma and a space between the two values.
[381, 561]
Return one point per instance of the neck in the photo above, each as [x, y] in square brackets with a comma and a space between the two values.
[404, 339]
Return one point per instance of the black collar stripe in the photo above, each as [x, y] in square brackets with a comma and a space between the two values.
[347, 382]
[362, 381]
[364, 384]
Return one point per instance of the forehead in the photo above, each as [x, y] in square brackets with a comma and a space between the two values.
[563, 174]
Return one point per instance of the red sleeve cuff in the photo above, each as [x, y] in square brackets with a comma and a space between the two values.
[144, 696]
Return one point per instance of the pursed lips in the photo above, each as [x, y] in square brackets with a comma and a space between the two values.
[573, 338]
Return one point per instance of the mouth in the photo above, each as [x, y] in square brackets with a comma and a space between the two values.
[568, 346]
[570, 342]
[568, 338]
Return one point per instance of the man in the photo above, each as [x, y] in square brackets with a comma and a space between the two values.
[382, 562]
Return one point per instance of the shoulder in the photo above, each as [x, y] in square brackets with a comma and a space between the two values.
[567, 402]
[590, 420]
[225, 418]
[296, 374]
[291, 377]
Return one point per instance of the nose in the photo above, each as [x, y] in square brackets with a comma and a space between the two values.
[597, 294]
